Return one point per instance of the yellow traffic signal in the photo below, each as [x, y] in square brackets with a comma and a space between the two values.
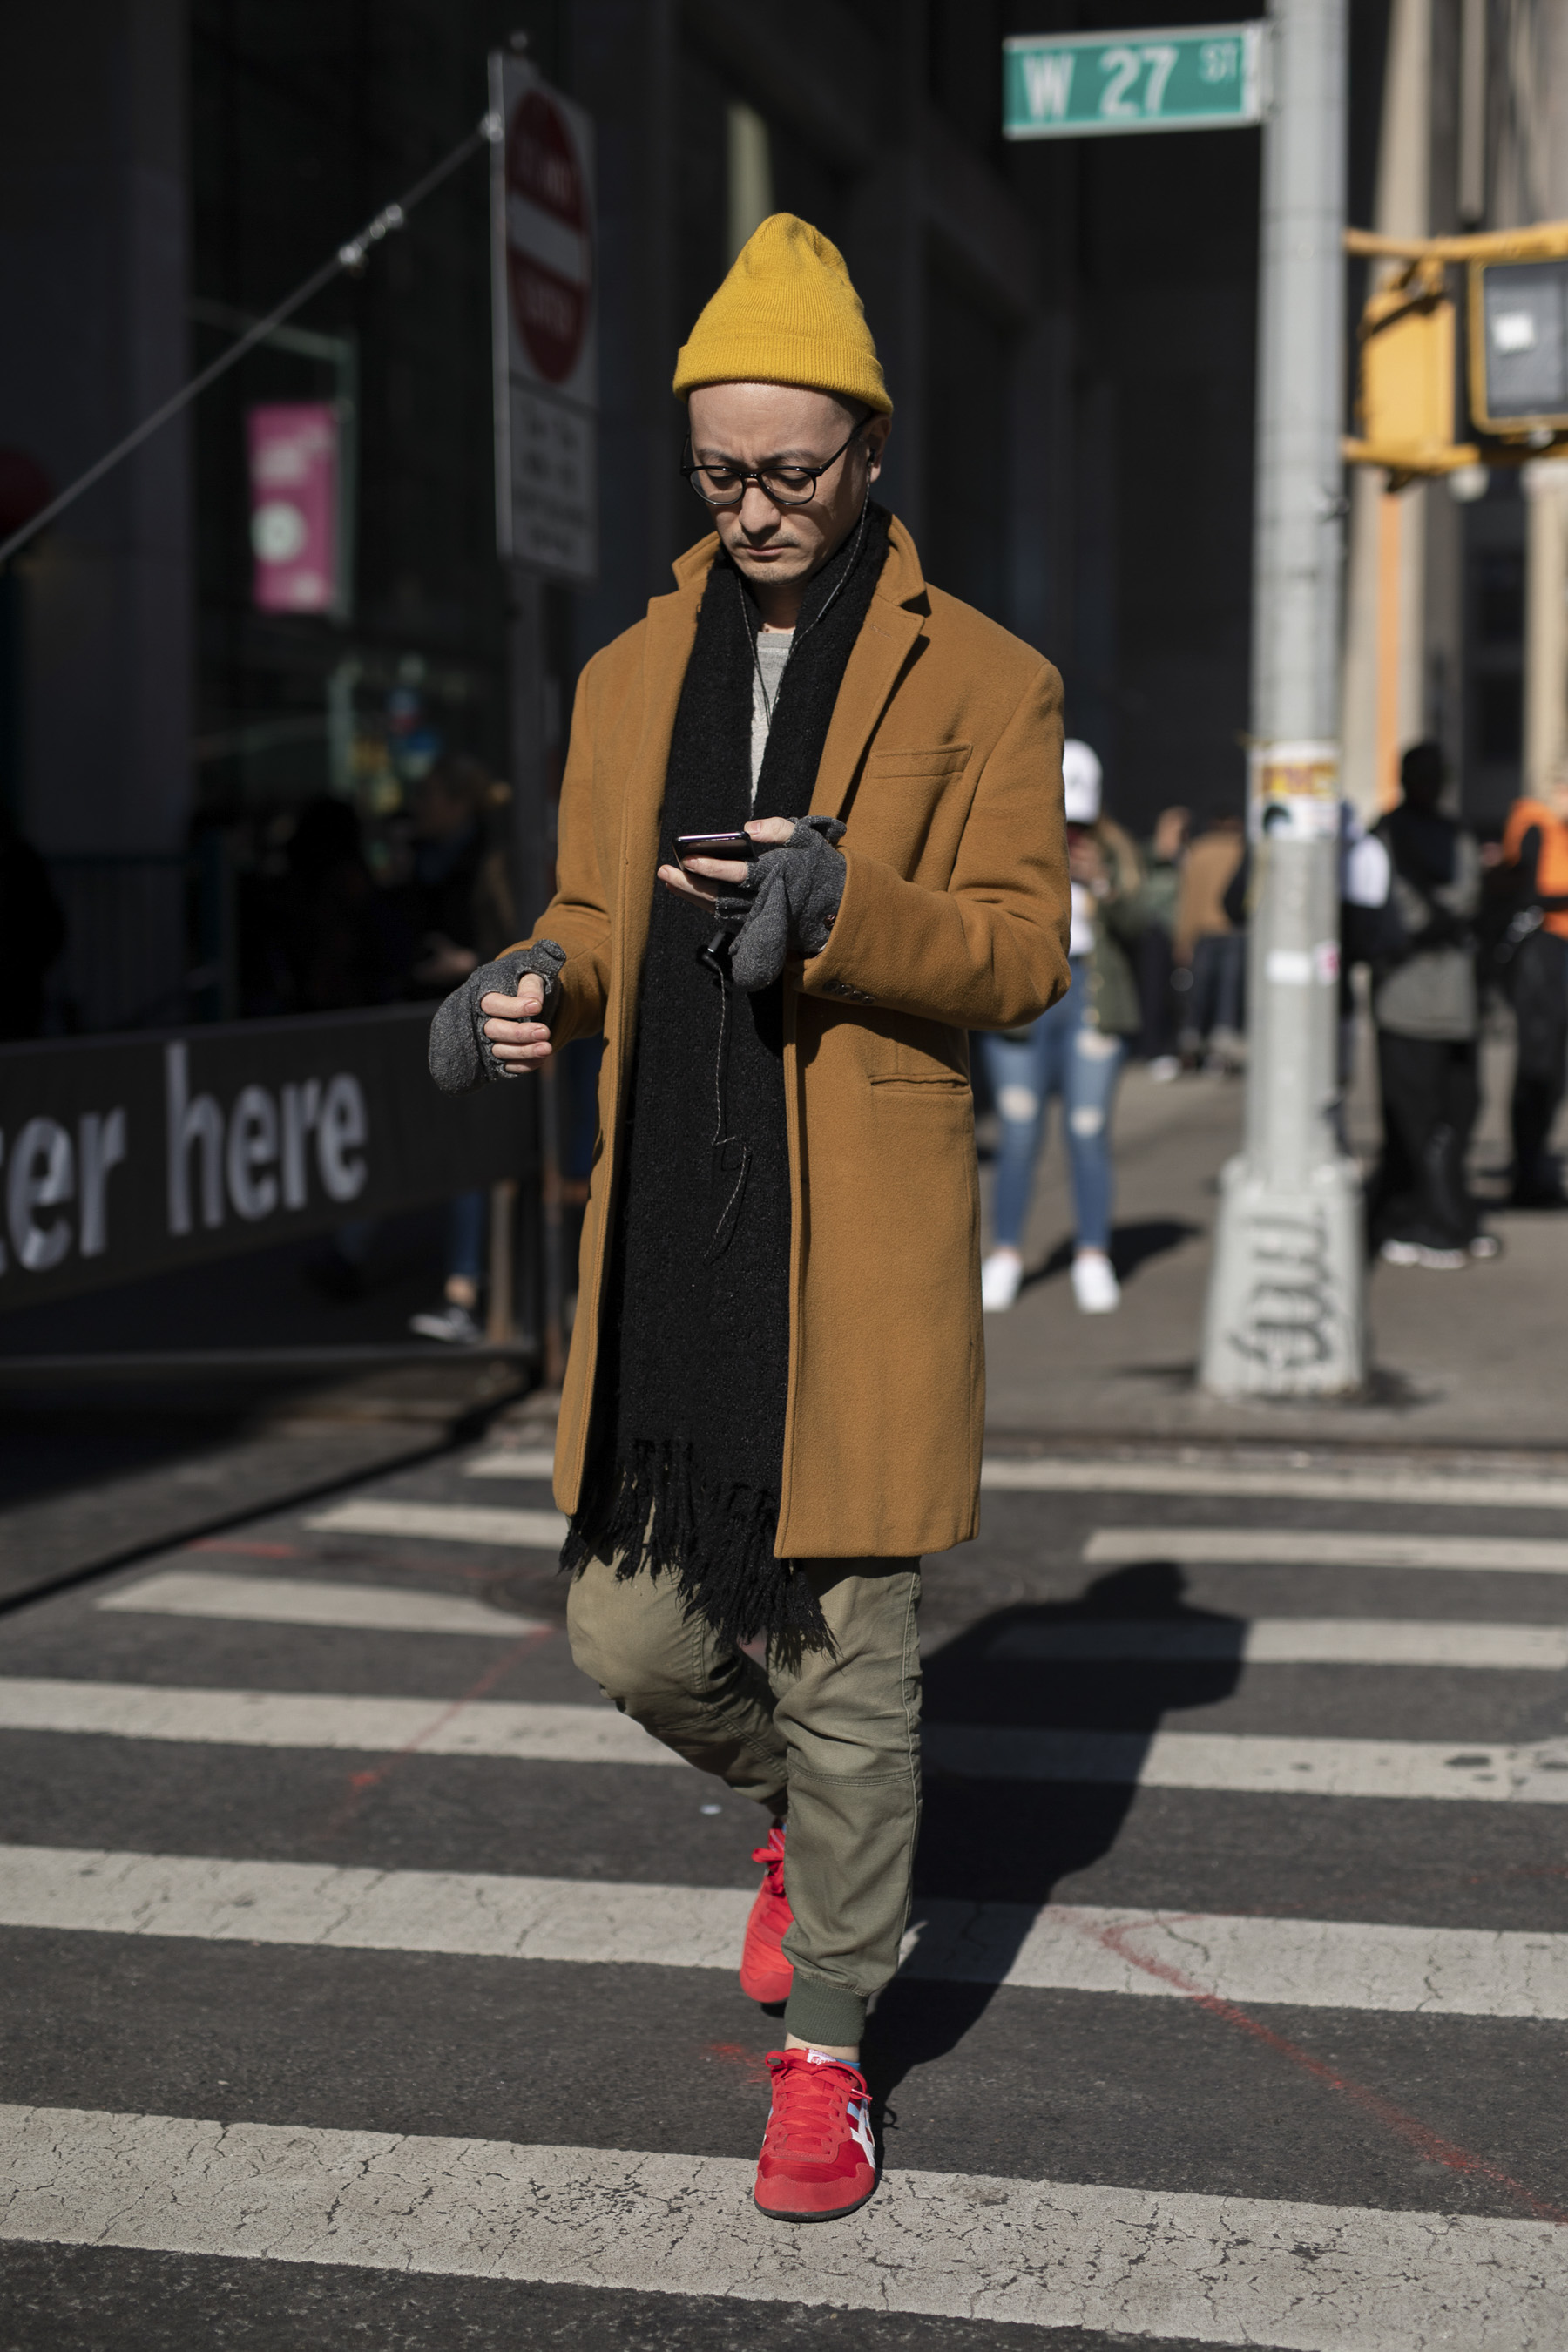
[1405, 401]
[1517, 351]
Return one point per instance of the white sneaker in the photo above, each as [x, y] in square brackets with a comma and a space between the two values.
[1001, 1279]
[453, 1325]
[1094, 1284]
[1164, 1068]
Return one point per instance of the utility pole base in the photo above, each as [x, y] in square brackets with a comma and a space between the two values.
[1287, 1296]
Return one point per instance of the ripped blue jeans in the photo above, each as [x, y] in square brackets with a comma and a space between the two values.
[1059, 1055]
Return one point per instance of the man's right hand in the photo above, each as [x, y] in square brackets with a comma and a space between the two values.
[516, 1034]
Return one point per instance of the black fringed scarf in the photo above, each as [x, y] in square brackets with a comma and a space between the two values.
[687, 1450]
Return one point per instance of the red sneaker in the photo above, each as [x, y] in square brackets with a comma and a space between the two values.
[819, 2159]
[765, 1974]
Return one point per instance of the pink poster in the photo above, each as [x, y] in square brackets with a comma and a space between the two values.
[293, 505]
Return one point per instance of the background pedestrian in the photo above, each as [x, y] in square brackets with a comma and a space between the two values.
[462, 913]
[1419, 1210]
[1535, 848]
[1156, 943]
[1075, 1050]
[1211, 948]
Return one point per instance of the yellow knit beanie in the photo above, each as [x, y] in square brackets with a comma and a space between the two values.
[787, 314]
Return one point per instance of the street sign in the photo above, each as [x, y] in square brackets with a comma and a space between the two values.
[1096, 85]
[545, 325]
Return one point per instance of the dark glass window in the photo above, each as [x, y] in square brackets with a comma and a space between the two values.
[1500, 597]
[1500, 718]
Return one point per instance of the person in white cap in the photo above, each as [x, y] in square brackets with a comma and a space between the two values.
[1075, 1050]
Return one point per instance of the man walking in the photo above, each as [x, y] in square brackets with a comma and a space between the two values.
[775, 1400]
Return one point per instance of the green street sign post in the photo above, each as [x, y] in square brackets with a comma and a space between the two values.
[1094, 86]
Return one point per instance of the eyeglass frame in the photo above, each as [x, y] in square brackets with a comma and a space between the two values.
[754, 473]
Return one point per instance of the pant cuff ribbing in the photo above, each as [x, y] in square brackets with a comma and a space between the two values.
[822, 2012]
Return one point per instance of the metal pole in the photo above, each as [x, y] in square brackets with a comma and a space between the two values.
[1286, 1305]
[530, 852]
[501, 1329]
[1545, 485]
[1472, 113]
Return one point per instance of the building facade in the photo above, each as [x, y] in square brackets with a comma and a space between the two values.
[1067, 332]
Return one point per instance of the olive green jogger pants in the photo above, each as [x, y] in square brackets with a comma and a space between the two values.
[831, 1738]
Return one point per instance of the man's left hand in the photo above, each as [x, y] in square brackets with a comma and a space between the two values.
[690, 880]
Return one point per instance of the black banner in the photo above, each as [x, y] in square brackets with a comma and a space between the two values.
[128, 1155]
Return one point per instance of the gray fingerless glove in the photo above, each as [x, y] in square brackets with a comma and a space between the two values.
[461, 1056]
[789, 904]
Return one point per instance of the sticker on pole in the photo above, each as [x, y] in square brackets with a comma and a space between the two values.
[1293, 792]
[545, 322]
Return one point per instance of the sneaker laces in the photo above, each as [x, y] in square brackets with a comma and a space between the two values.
[771, 1853]
[810, 2097]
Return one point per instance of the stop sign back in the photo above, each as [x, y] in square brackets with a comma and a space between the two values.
[549, 247]
[545, 311]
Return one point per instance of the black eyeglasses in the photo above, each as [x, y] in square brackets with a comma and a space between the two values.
[786, 485]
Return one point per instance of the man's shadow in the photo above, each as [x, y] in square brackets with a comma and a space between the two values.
[1080, 1665]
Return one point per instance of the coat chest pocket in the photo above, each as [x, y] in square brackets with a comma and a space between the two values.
[934, 761]
[910, 808]
[932, 1086]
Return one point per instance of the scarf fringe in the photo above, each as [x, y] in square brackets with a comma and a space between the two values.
[716, 1542]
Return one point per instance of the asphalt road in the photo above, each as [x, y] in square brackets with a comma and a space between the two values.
[321, 2032]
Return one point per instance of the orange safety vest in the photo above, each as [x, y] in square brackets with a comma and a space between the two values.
[1552, 870]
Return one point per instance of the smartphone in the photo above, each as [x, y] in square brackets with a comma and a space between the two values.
[719, 844]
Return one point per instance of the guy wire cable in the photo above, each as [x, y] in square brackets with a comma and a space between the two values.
[350, 256]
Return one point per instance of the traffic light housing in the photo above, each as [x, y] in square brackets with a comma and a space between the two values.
[1404, 399]
[1515, 353]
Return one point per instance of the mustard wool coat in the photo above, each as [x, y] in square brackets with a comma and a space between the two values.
[945, 759]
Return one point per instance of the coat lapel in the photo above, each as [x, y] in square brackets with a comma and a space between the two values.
[671, 627]
[876, 662]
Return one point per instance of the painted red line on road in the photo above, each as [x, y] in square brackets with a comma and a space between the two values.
[1408, 2128]
[401, 1562]
[361, 1783]
[749, 2064]
[253, 1551]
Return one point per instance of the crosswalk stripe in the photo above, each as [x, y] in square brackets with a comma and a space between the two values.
[1253, 1764]
[1290, 1640]
[1498, 1490]
[1296, 1963]
[1270, 1641]
[296, 1600]
[516, 1462]
[1325, 1548]
[243, 1718]
[1293, 1547]
[1158, 2264]
[1536, 1773]
[446, 1522]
